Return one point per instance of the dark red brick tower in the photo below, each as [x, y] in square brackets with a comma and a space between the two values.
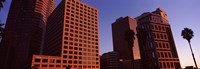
[24, 31]
[157, 47]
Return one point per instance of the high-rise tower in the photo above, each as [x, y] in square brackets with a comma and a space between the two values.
[125, 41]
[23, 35]
[157, 47]
[71, 38]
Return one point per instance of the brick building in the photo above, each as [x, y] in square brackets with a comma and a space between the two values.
[71, 38]
[156, 42]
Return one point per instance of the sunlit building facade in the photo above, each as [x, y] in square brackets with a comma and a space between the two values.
[24, 32]
[156, 42]
[71, 38]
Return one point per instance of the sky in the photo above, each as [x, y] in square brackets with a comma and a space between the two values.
[181, 14]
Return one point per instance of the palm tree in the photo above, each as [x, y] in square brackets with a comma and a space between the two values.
[188, 34]
[1, 3]
[1, 30]
[129, 36]
[1, 24]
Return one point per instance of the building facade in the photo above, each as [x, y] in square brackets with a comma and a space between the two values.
[125, 41]
[110, 60]
[71, 34]
[157, 47]
[23, 32]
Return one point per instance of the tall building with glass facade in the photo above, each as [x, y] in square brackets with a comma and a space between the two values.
[156, 42]
[71, 38]
[23, 32]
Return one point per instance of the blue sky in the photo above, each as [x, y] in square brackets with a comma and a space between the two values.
[181, 14]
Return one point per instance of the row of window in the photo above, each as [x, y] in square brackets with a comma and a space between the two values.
[74, 66]
[162, 45]
[80, 4]
[85, 17]
[80, 57]
[159, 45]
[76, 29]
[80, 53]
[81, 23]
[167, 65]
[80, 7]
[155, 27]
[154, 19]
[160, 36]
[164, 54]
[80, 49]
[158, 27]
[84, 39]
[81, 34]
[81, 43]
[69, 61]
[81, 12]
[78, 44]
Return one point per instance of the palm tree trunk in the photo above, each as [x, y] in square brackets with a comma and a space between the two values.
[193, 55]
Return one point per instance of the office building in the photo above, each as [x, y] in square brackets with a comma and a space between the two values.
[71, 38]
[156, 42]
[110, 60]
[23, 32]
[125, 41]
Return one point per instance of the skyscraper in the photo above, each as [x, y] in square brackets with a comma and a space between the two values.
[24, 31]
[71, 38]
[125, 41]
[157, 47]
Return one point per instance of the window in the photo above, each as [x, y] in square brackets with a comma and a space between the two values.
[161, 36]
[164, 64]
[64, 56]
[70, 52]
[166, 55]
[158, 35]
[160, 64]
[70, 61]
[64, 51]
[165, 36]
[162, 55]
[75, 57]
[164, 46]
[52, 61]
[58, 61]
[168, 65]
[45, 60]
[70, 57]
[75, 62]
[169, 55]
[172, 64]
[36, 65]
[160, 45]
[44, 65]
[57, 65]
[158, 54]
[37, 60]
[153, 55]
[51, 65]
